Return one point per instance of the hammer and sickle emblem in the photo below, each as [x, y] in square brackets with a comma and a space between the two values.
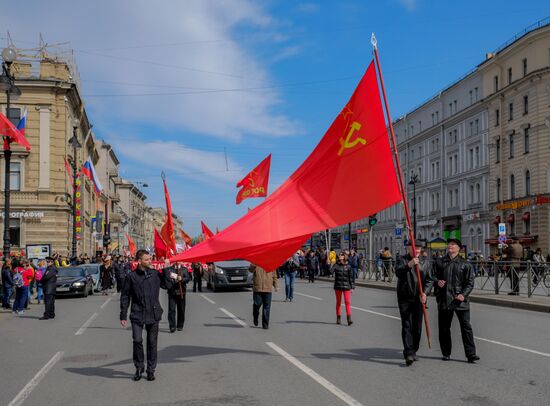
[345, 144]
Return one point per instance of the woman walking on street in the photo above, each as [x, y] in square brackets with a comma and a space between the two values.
[105, 271]
[343, 286]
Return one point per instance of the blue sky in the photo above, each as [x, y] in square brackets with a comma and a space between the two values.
[204, 90]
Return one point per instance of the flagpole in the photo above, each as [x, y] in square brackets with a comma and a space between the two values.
[401, 183]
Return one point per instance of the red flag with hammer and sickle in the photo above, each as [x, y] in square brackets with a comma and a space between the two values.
[255, 183]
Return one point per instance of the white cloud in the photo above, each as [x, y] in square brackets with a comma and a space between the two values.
[409, 4]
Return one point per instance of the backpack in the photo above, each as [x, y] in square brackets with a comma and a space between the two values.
[38, 275]
[17, 280]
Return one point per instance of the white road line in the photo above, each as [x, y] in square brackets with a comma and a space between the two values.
[26, 391]
[311, 297]
[106, 302]
[85, 325]
[315, 376]
[207, 299]
[515, 347]
[237, 320]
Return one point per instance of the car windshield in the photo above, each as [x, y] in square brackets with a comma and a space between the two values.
[71, 272]
[92, 270]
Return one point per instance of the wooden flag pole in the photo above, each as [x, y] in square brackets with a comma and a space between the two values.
[401, 183]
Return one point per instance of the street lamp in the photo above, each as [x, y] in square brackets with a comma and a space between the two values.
[414, 180]
[73, 141]
[7, 84]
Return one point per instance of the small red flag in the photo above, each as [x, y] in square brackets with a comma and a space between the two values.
[131, 245]
[160, 246]
[255, 183]
[167, 230]
[7, 129]
[206, 232]
[186, 239]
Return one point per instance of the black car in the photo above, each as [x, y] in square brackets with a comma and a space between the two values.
[74, 280]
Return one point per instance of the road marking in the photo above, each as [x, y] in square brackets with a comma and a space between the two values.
[26, 391]
[85, 325]
[237, 320]
[311, 297]
[315, 376]
[106, 302]
[373, 312]
[207, 299]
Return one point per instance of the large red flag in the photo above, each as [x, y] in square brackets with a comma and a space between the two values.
[167, 231]
[206, 232]
[160, 246]
[131, 245]
[348, 176]
[255, 183]
[9, 130]
[186, 239]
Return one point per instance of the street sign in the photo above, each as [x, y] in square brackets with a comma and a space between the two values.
[502, 239]
[501, 228]
[398, 232]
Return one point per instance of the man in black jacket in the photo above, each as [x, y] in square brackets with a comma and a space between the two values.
[142, 287]
[49, 286]
[197, 276]
[121, 270]
[409, 299]
[176, 285]
[454, 278]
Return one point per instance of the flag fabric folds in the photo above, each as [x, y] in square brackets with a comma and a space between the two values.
[348, 176]
[69, 172]
[9, 130]
[255, 183]
[167, 231]
[160, 246]
[206, 232]
[89, 170]
[131, 245]
[186, 239]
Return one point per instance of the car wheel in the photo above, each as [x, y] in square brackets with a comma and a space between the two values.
[85, 293]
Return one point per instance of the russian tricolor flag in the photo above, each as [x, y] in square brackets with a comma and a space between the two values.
[22, 123]
[89, 170]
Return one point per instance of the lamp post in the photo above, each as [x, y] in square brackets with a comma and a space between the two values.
[414, 180]
[76, 145]
[7, 84]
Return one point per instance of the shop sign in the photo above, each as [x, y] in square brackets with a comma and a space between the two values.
[518, 204]
[471, 216]
[24, 214]
[78, 208]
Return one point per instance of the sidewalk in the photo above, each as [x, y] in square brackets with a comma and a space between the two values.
[534, 303]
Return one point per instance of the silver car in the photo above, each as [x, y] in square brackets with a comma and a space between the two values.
[228, 274]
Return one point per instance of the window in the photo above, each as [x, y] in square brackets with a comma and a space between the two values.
[497, 117]
[498, 189]
[450, 165]
[495, 83]
[433, 171]
[456, 164]
[433, 119]
[510, 111]
[525, 104]
[450, 198]
[471, 194]
[456, 106]
[477, 125]
[15, 232]
[476, 93]
[437, 170]
[526, 140]
[497, 147]
[15, 175]
[477, 161]
[471, 128]
[478, 193]
[527, 183]
[450, 108]
[437, 144]
[437, 201]
[527, 226]
[509, 75]
[455, 132]
[420, 126]
[525, 67]
[456, 197]
[512, 187]
[433, 202]
[437, 116]
[471, 160]
[471, 97]
[412, 130]
[511, 141]
[450, 137]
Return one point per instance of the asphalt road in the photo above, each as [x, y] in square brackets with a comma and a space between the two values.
[83, 357]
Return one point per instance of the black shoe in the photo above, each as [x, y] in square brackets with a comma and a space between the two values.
[150, 376]
[180, 328]
[446, 358]
[265, 327]
[513, 293]
[472, 359]
[256, 322]
[138, 374]
[172, 330]
[350, 321]
[415, 358]
[338, 319]
[44, 318]
[409, 360]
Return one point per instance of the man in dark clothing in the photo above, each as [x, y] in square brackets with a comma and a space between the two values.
[176, 285]
[197, 276]
[121, 270]
[142, 287]
[353, 261]
[7, 284]
[312, 266]
[454, 278]
[49, 286]
[409, 299]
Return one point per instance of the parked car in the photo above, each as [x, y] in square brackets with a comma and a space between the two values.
[228, 274]
[74, 280]
[93, 270]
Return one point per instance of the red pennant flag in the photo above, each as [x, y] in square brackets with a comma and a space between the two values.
[255, 183]
[354, 155]
[7, 129]
[131, 245]
[186, 239]
[160, 246]
[167, 231]
[206, 232]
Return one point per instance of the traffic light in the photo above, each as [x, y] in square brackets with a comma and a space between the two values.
[106, 240]
[372, 220]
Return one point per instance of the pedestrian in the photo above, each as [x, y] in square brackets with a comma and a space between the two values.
[540, 263]
[21, 280]
[409, 299]
[121, 270]
[353, 261]
[176, 288]
[263, 285]
[454, 281]
[41, 268]
[387, 261]
[332, 257]
[312, 266]
[142, 289]
[344, 283]
[302, 260]
[105, 272]
[196, 267]
[515, 254]
[290, 268]
[49, 286]
[7, 283]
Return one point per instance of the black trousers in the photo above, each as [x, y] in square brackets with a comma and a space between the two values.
[411, 325]
[197, 283]
[311, 275]
[119, 283]
[445, 319]
[49, 306]
[137, 338]
[176, 310]
[514, 279]
[263, 300]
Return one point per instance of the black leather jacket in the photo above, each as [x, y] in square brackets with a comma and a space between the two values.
[459, 277]
[172, 285]
[143, 287]
[407, 280]
[343, 277]
[49, 280]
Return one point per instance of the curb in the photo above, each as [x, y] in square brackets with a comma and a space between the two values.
[488, 300]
